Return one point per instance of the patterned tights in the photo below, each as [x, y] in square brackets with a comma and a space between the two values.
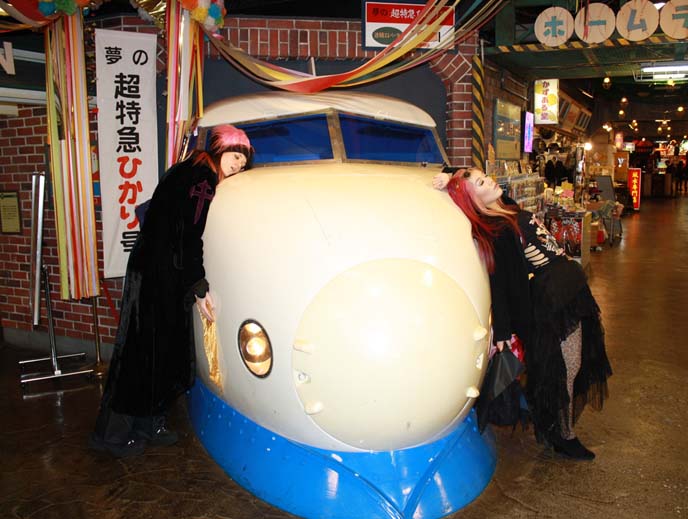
[571, 351]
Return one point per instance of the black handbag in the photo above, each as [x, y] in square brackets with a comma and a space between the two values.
[500, 400]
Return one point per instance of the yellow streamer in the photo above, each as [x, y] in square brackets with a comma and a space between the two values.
[386, 63]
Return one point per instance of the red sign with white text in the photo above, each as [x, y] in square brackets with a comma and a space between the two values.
[634, 186]
[385, 21]
[378, 12]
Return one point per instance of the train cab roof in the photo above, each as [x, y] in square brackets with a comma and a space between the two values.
[273, 105]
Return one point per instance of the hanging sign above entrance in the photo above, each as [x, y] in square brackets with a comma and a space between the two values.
[637, 20]
[546, 103]
[554, 26]
[383, 21]
[673, 19]
[595, 23]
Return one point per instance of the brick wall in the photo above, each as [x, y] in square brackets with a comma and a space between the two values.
[22, 142]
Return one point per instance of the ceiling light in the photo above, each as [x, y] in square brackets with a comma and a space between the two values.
[659, 5]
[665, 66]
[586, 93]
[624, 100]
[621, 112]
[680, 109]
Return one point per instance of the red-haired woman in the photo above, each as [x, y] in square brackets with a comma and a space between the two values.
[542, 296]
[153, 360]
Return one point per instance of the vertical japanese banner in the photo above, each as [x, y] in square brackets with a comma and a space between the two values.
[127, 137]
[546, 102]
[634, 186]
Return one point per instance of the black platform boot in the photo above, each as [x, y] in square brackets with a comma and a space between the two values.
[572, 448]
[133, 446]
[154, 430]
[114, 434]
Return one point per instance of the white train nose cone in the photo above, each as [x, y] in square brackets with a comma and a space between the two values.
[389, 375]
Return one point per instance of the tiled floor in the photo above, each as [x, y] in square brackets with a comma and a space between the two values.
[641, 437]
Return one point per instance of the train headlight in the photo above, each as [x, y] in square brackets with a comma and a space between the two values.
[255, 348]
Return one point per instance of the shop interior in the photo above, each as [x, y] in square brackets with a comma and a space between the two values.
[621, 134]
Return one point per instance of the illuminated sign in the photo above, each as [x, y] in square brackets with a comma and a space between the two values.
[528, 132]
[634, 186]
[546, 104]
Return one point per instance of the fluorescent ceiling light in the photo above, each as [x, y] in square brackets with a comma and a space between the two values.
[667, 66]
[668, 76]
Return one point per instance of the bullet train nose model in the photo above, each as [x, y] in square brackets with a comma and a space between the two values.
[352, 314]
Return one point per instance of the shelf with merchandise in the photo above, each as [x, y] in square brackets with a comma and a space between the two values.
[519, 182]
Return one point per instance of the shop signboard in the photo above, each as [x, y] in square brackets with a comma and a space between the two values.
[546, 102]
[636, 20]
[595, 23]
[634, 177]
[553, 26]
[384, 21]
[673, 19]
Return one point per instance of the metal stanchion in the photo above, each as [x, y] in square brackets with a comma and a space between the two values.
[99, 368]
[56, 371]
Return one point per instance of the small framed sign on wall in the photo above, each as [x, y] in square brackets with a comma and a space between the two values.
[10, 215]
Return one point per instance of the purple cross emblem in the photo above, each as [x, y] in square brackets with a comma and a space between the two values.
[203, 192]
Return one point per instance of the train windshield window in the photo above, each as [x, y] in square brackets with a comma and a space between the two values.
[293, 139]
[370, 139]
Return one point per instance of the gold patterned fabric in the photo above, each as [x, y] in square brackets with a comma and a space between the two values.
[210, 347]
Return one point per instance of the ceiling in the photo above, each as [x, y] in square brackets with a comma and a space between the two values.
[511, 44]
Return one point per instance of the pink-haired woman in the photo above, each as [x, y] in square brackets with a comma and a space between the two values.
[542, 296]
[153, 361]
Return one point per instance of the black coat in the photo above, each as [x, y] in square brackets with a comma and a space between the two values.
[510, 289]
[154, 356]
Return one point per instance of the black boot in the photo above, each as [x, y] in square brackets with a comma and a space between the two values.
[132, 446]
[113, 433]
[154, 430]
[572, 448]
